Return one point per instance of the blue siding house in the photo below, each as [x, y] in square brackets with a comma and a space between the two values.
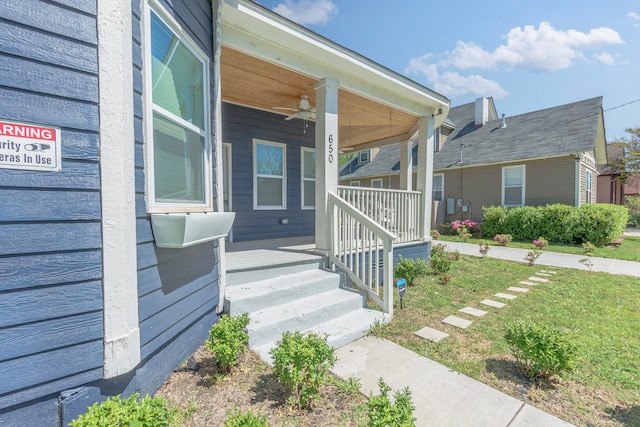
[175, 120]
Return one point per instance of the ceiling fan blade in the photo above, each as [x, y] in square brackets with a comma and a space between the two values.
[285, 108]
[291, 117]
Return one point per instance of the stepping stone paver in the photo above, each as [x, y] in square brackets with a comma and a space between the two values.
[517, 289]
[538, 279]
[548, 272]
[505, 296]
[473, 311]
[492, 303]
[458, 322]
[431, 334]
[544, 274]
[524, 282]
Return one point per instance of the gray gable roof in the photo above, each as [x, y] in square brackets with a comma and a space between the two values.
[563, 130]
[557, 131]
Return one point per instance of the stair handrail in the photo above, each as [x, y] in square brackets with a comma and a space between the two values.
[354, 237]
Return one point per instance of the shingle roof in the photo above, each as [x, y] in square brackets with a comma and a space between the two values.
[562, 130]
[614, 157]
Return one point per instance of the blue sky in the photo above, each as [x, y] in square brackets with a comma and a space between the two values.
[527, 55]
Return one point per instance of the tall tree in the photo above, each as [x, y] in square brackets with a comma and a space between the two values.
[630, 162]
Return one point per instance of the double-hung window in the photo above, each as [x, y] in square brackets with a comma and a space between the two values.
[178, 137]
[438, 187]
[269, 175]
[513, 180]
[308, 173]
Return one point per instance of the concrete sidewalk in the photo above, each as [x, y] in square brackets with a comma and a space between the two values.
[441, 397]
[553, 259]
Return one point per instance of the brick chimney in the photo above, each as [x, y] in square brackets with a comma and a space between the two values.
[482, 112]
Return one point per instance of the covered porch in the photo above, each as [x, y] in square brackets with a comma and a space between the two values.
[266, 61]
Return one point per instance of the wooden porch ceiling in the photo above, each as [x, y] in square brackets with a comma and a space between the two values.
[255, 83]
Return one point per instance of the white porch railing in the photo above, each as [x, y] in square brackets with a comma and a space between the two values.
[396, 210]
[356, 245]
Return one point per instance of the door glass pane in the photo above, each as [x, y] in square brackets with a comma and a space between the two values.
[177, 75]
[178, 162]
[269, 191]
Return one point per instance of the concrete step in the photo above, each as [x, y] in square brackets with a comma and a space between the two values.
[340, 331]
[254, 296]
[241, 276]
[267, 325]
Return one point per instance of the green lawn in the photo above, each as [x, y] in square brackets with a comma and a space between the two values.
[600, 312]
[628, 250]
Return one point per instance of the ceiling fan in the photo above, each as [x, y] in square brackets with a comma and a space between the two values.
[303, 111]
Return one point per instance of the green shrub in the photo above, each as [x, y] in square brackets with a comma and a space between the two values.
[146, 412]
[410, 269]
[237, 418]
[493, 220]
[523, 222]
[228, 339]
[303, 363]
[383, 412]
[597, 223]
[439, 261]
[554, 222]
[589, 248]
[540, 350]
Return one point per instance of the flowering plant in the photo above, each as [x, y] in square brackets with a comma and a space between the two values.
[484, 248]
[502, 239]
[588, 248]
[435, 234]
[540, 243]
[471, 226]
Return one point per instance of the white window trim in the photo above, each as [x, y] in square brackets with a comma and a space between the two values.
[588, 186]
[284, 176]
[303, 179]
[164, 207]
[368, 153]
[524, 180]
[354, 184]
[377, 180]
[432, 189]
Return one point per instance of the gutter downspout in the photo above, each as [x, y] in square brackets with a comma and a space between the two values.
[216, 6]
[578, 159]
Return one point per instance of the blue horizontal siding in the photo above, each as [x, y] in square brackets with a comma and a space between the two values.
[74, 175]
[80, 145]
[43, 47]
[36, 77]
[40, 304]
[26, 271]
[37, 205]
[49, 335]
[87, 6]
[240, 126]
[51, 18]
[48, 237]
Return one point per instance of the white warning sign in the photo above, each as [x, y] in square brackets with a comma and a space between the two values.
[29, 146]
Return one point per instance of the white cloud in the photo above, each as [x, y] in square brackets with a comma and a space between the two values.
[307, 12]
[542, 49]
[604, 57]
[633, 15]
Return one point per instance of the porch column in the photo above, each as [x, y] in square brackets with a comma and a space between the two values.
[406, 169]
[326, 157]
[425, 172]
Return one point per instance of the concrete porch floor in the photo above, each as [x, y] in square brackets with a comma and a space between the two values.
[265, 253]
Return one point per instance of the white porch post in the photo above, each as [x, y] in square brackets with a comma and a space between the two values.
[406, 166]
[425, 173]
[326, 157]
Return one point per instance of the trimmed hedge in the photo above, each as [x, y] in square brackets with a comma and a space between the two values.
[595, 223]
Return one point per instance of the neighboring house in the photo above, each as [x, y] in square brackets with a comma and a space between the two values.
[126, 129]
[537, 158]
[610, 186]
[632, 185]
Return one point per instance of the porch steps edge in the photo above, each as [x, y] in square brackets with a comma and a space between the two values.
[303, 314]
[340, 331]
[240, 276]
[253, 296]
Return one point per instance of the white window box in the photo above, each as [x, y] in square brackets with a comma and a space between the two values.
[179, 230]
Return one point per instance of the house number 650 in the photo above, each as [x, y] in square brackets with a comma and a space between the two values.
[330, 148]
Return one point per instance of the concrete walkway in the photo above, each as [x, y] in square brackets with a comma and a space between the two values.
[446, 398]
[554, 259]
[441, 397]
